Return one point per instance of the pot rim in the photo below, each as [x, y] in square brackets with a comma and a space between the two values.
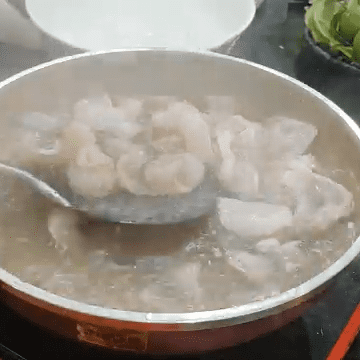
[204, 319]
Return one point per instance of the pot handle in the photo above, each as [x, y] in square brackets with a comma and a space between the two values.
[15, 29]
[347, 337]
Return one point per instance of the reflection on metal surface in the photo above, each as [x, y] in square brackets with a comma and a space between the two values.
[128, 340]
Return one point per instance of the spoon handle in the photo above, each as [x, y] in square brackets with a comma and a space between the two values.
[35, 183]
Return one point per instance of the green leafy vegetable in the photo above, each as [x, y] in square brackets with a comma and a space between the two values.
[336, 23]
[349, 25]
[356, 48]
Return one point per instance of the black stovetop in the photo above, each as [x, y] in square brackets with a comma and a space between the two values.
[274, 39]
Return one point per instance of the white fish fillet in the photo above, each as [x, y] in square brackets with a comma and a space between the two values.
[253, 219]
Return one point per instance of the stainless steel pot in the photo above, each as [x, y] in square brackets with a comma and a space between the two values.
[261, 92]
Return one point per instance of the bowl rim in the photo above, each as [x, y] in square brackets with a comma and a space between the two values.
[227, 40]
[203, 319]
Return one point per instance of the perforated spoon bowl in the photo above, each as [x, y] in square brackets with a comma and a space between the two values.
[125, 207]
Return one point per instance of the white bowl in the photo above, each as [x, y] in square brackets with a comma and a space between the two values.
[118, 24]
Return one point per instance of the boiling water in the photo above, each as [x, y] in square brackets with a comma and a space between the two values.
[278, 223]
